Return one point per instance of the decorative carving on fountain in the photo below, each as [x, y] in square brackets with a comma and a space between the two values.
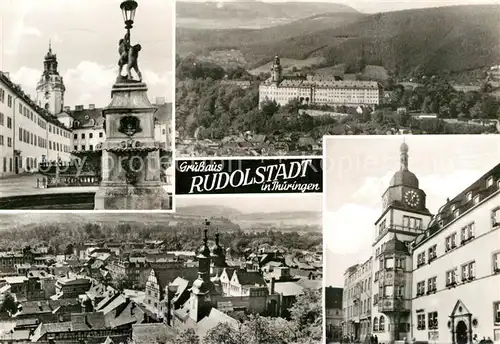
[130, 125]
[132, 166]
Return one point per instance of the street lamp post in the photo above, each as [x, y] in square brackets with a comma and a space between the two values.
[128, 8]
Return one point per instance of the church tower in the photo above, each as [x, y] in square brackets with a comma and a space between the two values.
[276, 70]
[218, 257]
[50, 89]
[203, 288]
[404, 217]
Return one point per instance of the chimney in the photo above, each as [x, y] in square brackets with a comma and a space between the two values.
[273, 282]
[91, 106]
[78, 107]
[160, 100]
[67, 108]
[7, 74]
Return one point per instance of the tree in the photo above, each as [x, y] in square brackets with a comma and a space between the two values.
[121, 282]
[307, 313]
[224, 333]
[68, 251]
[8, 305]
[188, 337]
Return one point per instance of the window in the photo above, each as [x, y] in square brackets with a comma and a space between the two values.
[467, 233]
[489, 181]
[496, 262]
[432, 320]
[468, 271]
[388, 291]
[9, 100]
[451, 277]
[9, 122]
[469, 196]
[75, 148]
[420, 321]
[91, 147]
[495, 217]
[381, 323]
[83, 147]
[456, 213]
[432, 253]
[375, 324]
[75, 136]
[83, 135]
[91, 135]
[100, 134]
[477, 199]
[450, 242]
[400, 263]
[420, 259]
[420, 288]
[389, 263]
[412, 222]
[431, 285]
[400, 291]
[496, 308]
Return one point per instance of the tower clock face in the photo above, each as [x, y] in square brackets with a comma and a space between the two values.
[412, 198]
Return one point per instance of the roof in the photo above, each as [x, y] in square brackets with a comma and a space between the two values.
[15, 279]
[288, 288]
[131, 314]
[325, 83]
[17, 90]
[214, 318]
[462, 203]
[16, 335]
[72, 281]
[87, 321]
[92, 117]
[250, 278]
[333, 297]
[148, 333]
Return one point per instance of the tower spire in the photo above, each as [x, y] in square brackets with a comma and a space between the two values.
[50, 46]
[403, 156]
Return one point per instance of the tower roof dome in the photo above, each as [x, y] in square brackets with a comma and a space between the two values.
[204, 251]
[404, 176]
[217, 250]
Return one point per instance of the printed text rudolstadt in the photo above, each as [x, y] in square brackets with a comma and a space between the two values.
[272, 178]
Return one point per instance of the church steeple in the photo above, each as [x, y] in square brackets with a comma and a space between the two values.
[50, 89]
[404, 156]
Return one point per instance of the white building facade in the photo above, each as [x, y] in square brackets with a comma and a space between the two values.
[357, 302]
[319, 92]
[456, 277]
[436, 278]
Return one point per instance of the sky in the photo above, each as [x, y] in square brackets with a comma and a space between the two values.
[256, 203]
[358, 171]
[371, 6]
[84, 35]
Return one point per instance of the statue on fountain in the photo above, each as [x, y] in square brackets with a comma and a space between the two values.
[128, 57]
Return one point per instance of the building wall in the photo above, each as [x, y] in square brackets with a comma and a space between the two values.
[24, 129]
[321, 95]
[477, 296]
[87, 138]
[357, 302]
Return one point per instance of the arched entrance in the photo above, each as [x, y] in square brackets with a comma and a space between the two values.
[460, 324]
[461, 332]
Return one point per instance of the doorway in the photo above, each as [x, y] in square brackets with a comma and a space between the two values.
[461, 332]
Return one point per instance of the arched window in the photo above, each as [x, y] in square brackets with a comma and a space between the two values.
[375, 324]
[381, 323]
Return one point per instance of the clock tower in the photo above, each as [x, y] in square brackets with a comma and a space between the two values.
[404, 217]
[50, 89]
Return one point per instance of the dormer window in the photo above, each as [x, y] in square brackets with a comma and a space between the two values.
[477, 199]
[489, 181]
[456, 213]
[469, 196]
[86, 116]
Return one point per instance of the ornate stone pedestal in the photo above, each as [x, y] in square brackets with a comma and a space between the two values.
[130, 154]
